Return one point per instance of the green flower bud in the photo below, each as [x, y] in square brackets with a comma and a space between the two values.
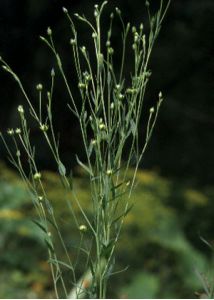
[39, 87]
[18, 154]
[20, 109]
[83, 228]
[65, 10]
[102, 126]
[151, 110]
[108, 43]
[109, 172]
[18, 131]
[160, 95]
[118, 11]
[110, 51]
[44, 127]
[81, 86]
[49, 31]
[72, 42]
[37, 176]
[94, 35]
[52, 72]
[10, 131]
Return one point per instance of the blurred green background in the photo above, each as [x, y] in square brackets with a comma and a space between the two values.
[174, 199]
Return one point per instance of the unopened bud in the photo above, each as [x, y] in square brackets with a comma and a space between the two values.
[160, 95]
[37, 176]
[18, 131]
[44, 127]
[65, 10]
[102, 126]
[72, 42]
[49, 31]
[39, 87]
[20, 109]
[40, 198]
[109, 172]
[10, 131]
[52, 72]
[81, 86]
[152, 110]
[118, 11]
[83, 228]
[18, 154]
[108, 43]
[83, 49]
[94, 35]
[110, 51]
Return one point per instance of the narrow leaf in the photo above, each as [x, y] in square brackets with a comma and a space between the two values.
[49, 245]
[87, 169]
[56, 262]
[41, 226]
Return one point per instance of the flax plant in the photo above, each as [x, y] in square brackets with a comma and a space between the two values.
[111, 107]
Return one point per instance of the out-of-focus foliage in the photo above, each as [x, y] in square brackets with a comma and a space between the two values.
[154, 244]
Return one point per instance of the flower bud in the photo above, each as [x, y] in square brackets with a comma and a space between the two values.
[109, 172]
[10, 131]
[160, 95]
[39, 87]
[108, 43]
[83, 228]
[18, 131]
[37, 176]
[110, 51]
[121, 96]
[20, 109]
[133, 29]
[102, 126]
[118, 11]
[40, 198]
[83, 49]
[134, 46]
[151, 110]
[52, 72]
[49, 31]
[44, 127]
[81, 86]
[94, 35]
[147, 3]
[65, 10]
[72, 42]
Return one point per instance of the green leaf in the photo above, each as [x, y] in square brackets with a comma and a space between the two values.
[123, 215]
[41, 226]
[87, 169]
[49, 245]
[106, 249]
[56, 262]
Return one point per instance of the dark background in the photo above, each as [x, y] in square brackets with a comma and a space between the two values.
[182, 67]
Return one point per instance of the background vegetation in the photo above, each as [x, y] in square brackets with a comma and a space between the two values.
[174, 200]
